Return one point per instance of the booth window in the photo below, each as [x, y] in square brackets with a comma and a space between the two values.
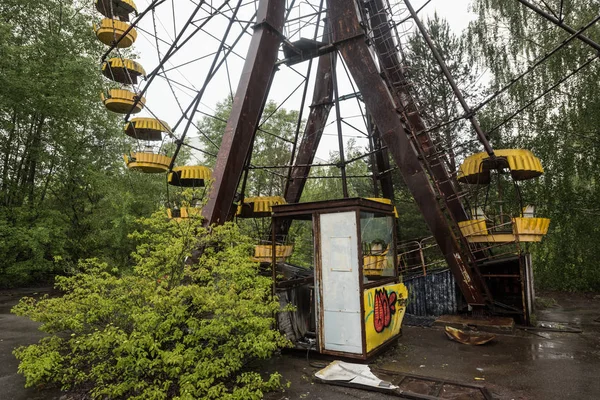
[377, 238]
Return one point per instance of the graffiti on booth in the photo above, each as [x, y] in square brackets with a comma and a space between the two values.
[384, 308]
[384, 311]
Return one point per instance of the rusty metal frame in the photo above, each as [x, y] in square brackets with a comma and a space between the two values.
[248, 102]
[382, 36]
[351, 43]
[382, 163]
[322, 103]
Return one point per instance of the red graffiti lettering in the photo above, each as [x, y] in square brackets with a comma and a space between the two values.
[383, 309]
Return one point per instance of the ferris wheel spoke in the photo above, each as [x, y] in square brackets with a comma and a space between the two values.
[212, 71]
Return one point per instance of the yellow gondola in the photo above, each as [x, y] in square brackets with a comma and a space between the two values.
[111, 31]
[264, 252]
[116, 8]
[183, 212]
[150, 129]
[122, 101]
[521, 163]
[195, 176]
[189, 176]
[124, 71]
[149, 163]
[262, 207]
[258, 207]
[526, 227]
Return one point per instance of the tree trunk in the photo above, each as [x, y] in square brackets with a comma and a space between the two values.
[7, 151]
[34, 158]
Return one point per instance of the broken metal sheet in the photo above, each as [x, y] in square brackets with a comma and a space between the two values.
[352, 373]
[468, 337]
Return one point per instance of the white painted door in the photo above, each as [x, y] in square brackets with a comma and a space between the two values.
[340, 304]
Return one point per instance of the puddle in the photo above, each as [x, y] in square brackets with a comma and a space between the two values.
[548, 350]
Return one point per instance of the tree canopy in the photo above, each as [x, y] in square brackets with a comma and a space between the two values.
[562, 128]
[65, 194]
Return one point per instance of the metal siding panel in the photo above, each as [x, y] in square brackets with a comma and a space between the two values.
[341, 287]
[432, 295]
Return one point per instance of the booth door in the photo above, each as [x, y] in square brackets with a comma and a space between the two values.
[340, 302]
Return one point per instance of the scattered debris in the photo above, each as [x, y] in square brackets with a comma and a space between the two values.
[339, 371]
[544, 326]
[399, 384]
[472, 338]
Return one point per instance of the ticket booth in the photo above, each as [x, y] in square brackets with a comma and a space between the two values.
[352, 296]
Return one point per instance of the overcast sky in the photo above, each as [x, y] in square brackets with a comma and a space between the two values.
[166, 102]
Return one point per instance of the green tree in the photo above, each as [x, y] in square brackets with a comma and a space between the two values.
[561, 128]
[437, 102]
[272, 146]
[64, 192]
[167, 330]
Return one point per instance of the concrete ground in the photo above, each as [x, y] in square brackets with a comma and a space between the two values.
[526, 365]
[14, 332]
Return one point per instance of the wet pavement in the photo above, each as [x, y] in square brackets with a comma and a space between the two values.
[526, 365]
[14, 332]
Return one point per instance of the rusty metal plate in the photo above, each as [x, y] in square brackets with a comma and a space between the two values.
[470, 338]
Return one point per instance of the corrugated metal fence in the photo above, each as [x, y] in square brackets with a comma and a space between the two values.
[432, 295]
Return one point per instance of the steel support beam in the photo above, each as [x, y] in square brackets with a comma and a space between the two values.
[349, 35]
[382, 162]
[247, 105]
[392, 67]
[440, 60]
[322, 103]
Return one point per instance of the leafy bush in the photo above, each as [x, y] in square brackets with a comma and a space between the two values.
[170, 329]
[30, 246]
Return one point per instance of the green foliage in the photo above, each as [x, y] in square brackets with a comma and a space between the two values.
[170, 329]
[30, 246]
[64, 193]
[272, 145]
[561, 128]
[329, 185]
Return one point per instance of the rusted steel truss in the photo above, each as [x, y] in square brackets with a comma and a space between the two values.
[382, 163]
[351, 43]
[391, 66]
[391, 113]
[322, 103]
[248, 102]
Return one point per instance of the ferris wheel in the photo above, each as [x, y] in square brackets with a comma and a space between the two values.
[198, 53]
[340, 64]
